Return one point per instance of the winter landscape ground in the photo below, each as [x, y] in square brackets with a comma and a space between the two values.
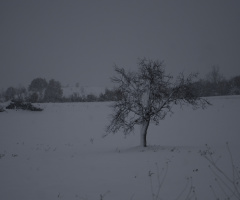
[59, 153]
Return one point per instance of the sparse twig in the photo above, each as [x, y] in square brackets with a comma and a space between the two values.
[160, 180]
[229, 185]
[161, 176]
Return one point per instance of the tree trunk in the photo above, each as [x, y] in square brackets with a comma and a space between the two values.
[143, 136]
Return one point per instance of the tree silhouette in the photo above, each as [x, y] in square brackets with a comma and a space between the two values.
[148, 95]
[53, 92]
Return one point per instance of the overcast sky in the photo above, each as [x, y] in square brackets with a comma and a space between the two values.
[80, 41]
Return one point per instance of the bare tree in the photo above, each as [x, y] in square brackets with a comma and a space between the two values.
[10, 93]
[148, 95]
[216, 83]
[214, 76]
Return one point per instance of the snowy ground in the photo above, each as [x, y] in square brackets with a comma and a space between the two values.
[60, 153]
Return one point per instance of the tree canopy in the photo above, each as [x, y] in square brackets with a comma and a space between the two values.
[38, 85]
[53, 92]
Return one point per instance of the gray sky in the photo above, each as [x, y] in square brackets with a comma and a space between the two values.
[80, 41]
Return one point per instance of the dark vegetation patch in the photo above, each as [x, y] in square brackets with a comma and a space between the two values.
[22, 105]
[1, 109]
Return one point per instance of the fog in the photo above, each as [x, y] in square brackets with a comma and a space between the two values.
[80, 41]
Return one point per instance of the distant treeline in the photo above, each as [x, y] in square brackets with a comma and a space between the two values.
[215, 84]
[41, 91]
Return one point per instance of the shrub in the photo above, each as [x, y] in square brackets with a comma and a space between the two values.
[23, 106]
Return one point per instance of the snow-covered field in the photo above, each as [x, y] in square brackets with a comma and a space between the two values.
[59, 153]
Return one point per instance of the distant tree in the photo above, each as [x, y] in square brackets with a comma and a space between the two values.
[199, 88]
[148, 95]
[110, 95]
[33, 97]
[214, 76]
[10, 93]
[236, 81]
[91, 98]
[223, 87]
[215, 81]
[21, 93]
[38, 86]
[53, 92]
[235, 85]
[82, 92]
[75, 97]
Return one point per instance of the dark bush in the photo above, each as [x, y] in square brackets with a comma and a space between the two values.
[23, 106]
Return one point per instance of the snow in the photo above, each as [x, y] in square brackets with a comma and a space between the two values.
[59, 153]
